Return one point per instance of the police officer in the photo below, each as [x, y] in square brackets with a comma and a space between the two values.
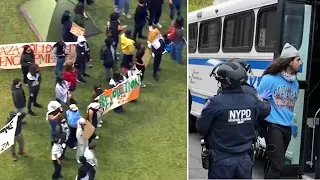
[227, 123]
[245, 86]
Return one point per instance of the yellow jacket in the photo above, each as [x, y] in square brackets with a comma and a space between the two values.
[127, 45]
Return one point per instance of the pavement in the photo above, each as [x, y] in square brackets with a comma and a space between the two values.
[195, 168]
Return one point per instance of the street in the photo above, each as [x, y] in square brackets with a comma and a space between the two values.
[195, 168]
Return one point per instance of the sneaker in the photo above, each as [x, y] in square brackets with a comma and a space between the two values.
[99, 125]
[158, 25]
[150, 28]
[143, 85]
[14, 157]
[97, 137]
[74, 148]
[127, 15]
[100, 121]
[81, 81]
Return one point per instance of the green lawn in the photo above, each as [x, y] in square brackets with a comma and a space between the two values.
[149, 141]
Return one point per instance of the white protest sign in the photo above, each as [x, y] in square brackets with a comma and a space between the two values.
[7, 134]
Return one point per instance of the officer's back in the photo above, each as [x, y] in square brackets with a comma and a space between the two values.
[227, 123]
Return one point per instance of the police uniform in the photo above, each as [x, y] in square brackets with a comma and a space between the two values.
[227, 123]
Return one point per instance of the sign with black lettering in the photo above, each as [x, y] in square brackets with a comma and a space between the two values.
[7, 134]
[239, 116]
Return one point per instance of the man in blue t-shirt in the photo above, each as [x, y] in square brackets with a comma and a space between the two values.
[281, 79]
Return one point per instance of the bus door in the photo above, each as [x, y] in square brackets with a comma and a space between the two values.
[294, 27]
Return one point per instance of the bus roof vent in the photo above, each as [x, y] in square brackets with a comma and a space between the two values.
[216, 2]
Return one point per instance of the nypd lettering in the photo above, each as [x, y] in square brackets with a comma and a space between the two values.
[239, 116]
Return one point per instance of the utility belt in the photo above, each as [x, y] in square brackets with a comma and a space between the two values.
[206, 154]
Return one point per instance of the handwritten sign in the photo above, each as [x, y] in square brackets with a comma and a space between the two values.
[77, 30]
[121, 94]
[7, 134]
[10, 54]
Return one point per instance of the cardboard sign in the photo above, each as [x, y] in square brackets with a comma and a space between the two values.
[10, 54]
[88, 130]
[146, 57]
[77, 30]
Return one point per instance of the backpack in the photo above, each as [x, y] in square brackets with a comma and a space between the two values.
[171, 33]
[103, 52]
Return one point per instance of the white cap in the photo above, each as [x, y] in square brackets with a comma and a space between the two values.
[53, 105]
[73, 107]
[82, 121]
[289, 51]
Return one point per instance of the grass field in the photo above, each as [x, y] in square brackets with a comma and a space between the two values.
[147, 142]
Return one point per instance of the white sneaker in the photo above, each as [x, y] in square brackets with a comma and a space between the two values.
[159, 25]
[101, 121]
[97, 137]
[78, 161]
[99, 125]
[143, 85]
[74, 148]
[127, 15]
[164, 52]
[150, 28]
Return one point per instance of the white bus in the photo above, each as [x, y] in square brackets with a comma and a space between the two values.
[256, 30]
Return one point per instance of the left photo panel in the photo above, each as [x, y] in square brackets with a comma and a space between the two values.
[93, 89]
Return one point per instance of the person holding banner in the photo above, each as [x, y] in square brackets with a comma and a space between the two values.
[34, 80]
[114, 82]
[18, 138]
[27, 58]
[92, 116]
[127, 48]
[139, 63]
[60, 56]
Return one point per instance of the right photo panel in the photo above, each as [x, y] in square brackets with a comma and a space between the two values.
[253, 90]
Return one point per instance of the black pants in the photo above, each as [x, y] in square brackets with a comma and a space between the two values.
[81, 67]
[142, 73]
[25, 71]
[57, 170]
[277, 140]
[138, 28]
[155, 15]
[157, 61]
[33, 99]
[72, 141]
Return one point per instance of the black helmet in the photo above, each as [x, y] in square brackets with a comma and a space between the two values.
[231, 74]
[242, 62]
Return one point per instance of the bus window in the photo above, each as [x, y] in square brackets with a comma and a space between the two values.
[209, 37]
[238, 32]
[193, 33]
[266, 29]
[294, 20]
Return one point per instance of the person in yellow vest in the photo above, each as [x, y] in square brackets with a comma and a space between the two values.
[127, 49]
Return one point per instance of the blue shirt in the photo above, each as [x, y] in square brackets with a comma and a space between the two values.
[72, 118]
[284, 96]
